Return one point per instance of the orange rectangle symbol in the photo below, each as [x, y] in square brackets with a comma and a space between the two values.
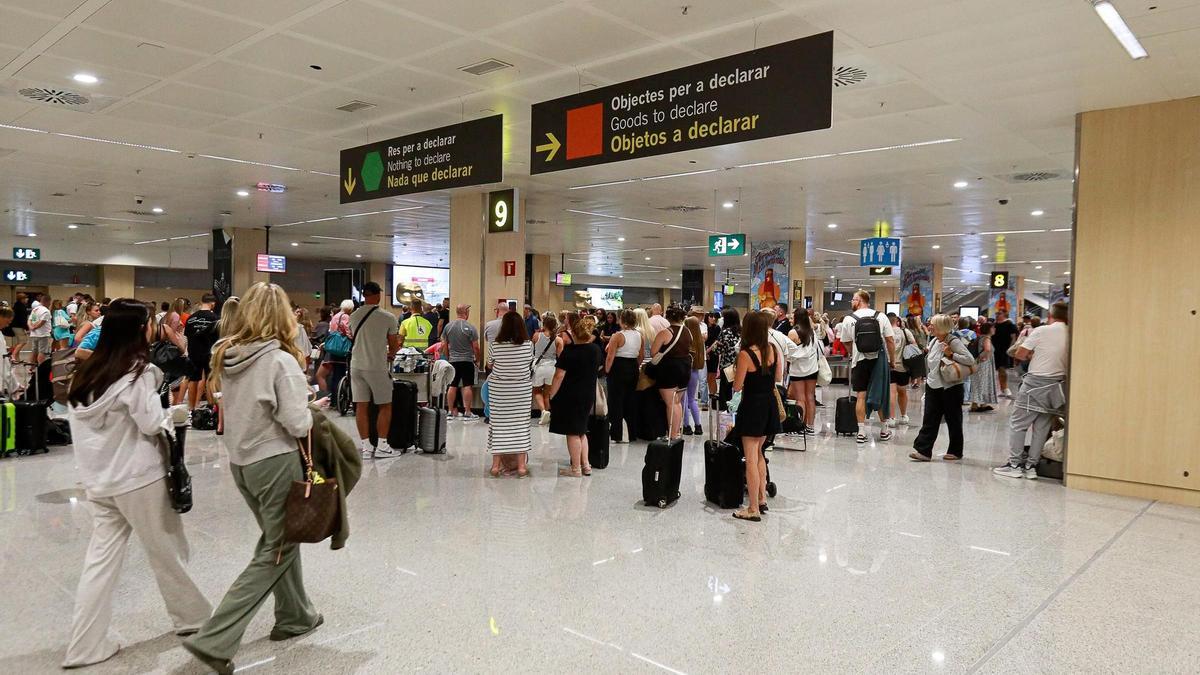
[585, 131]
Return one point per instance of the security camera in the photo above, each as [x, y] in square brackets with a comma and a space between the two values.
[1003, 202]
[139, 198]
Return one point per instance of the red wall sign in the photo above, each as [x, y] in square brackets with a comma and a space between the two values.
[510, 268]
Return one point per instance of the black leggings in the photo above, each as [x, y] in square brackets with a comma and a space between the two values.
[941, 404]
[622, 388]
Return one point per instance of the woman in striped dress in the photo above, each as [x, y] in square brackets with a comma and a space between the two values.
[509, 394]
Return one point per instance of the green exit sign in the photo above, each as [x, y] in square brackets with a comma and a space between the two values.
[23, 253]
[726, 245]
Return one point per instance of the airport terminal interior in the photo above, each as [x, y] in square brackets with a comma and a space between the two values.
[446, 245]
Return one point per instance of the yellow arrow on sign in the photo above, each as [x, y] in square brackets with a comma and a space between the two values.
[349, 183]
[552, 146]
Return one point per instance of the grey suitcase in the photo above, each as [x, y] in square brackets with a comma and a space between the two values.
[431, 429]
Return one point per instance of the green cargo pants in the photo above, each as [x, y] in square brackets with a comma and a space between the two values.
[274, 569]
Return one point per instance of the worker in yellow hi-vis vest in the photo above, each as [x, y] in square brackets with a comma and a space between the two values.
[416, 329]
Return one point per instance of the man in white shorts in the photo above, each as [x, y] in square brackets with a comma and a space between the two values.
[376, 339]
[40, 323]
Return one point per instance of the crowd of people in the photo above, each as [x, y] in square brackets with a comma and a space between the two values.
[637, 373]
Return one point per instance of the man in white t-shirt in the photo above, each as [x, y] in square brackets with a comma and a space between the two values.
[1041, 396]
[862, 366]
[658, 322]
[39, 328]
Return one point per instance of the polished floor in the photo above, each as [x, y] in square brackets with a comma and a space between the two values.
[866, 563]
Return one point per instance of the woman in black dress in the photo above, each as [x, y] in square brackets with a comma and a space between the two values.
[757, 371]
[573, 394]
[674, 369]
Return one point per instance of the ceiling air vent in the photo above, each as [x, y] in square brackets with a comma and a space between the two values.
[486, 66]
[682, 208]
[355, 106]
[845, 76]
[54, 96]
[1032, 176]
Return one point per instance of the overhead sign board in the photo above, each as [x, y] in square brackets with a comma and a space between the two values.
[773, 91]
[880, 272]
[879, 252]
[16, 276]
[275, 264]
[720, 245]
[502, 211]
[729, 289]
[469, 153]
[562, 279]
[25, 253]
[998, 280]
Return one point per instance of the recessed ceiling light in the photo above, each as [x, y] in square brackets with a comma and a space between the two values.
[295, 243]
[805, 262]
[647, 257]
[357, 255]
[936, 246]
[33, 234]
[984, 256]
[1037, 212]
[243, 193]
[620, 238]
[728, 205]
[72, 226]
[1037, 267]
[831, 276]
[833, 226]
[712, 264]
[1066, 274]
[157, 209]
[961, 184]
[85, 78]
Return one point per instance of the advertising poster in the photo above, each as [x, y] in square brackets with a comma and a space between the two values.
[769, 262]
[222, 268]
[427, 284]
[1002, 300]
[916, 291]
[1059, 294]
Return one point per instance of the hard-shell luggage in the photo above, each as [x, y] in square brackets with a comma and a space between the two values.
[724, 466]
[597, 438]
[31, 427]
[431, 423]
[734, 438]
[845, 417]
[661, 473]
[8, 428]
[402, 431]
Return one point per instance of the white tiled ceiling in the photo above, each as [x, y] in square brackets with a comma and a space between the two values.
[232, 79]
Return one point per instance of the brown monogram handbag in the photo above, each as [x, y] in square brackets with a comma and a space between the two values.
[312, 504]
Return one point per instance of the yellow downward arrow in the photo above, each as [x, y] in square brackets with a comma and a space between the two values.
[552, 146]
[349, 183]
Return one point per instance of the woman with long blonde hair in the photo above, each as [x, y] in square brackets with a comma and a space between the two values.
[644, 327]
[256, 366]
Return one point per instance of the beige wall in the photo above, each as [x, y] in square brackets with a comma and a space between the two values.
[247, 244]
[541, 281]
[116, 281]
[1132, 427]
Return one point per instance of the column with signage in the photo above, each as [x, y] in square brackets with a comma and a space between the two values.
[797, 270]
[487, 252]
[541, 281]
[815, 288]
[1006, 293]
[246, 245]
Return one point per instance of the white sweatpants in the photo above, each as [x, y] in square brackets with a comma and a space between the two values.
[146, 511]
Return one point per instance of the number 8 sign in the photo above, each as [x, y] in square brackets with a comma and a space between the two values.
[999, 280]
[502, 211]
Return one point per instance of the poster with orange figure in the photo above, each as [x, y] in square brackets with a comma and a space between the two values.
[1002, 299]
[769, 262]
[916, 291]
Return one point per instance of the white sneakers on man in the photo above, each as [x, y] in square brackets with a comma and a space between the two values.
[384, 450]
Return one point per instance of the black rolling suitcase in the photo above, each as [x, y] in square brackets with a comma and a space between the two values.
[402, 432]
[845, 415]
[431, 427]
[597, 438]
[32, 417]
[724, 466]
[660, 475]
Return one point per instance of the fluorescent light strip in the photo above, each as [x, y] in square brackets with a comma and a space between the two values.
[1049, 261]
[17, 128]
[150, 241]
[1014, 232]
[639, 220]
[680, 175]
[596, 185]
[1062, 229]
[785, 161]
[111, 142]
[246, 161]
[122, 220]
[829, 250]
[1120, 30]
[54, 213]
[325, 173]
[321, 220]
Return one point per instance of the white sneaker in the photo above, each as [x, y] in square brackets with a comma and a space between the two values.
[1009, 471]
[1031, 473]
[470, 417]
[366, 450]
[545, 419]
[892, 423]
[1006, 393]
[885, 435]
[905, 421]
[384, 450]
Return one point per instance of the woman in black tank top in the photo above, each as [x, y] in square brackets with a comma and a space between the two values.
[758, 368]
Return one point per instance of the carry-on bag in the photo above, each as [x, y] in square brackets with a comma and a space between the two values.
[661, 473]
[724, 466]
[402, 431]
[31, 427]
[597, 438]
[431, 428]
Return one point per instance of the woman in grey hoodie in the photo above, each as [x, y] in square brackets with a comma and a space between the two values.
[264, 395]
[116, 421]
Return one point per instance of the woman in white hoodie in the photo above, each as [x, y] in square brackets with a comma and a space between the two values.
[116, 421]
[264, 395]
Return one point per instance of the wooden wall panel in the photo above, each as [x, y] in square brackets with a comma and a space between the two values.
[1135, 362]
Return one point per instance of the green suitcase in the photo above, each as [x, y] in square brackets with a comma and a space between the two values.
[8, 428]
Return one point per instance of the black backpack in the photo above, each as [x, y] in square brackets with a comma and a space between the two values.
[974, 347]
[867, 337]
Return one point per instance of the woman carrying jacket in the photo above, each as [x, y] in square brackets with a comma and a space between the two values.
[116, 421]
[264, 395]
[943, 401]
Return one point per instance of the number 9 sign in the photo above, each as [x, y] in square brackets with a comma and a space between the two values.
[502, 211]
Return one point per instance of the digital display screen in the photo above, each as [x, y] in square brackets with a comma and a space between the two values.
[562, 279]
[607, 298]
[275, 264]
[969, 312]
[730, 289]
[427, 284]
[892, 308]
